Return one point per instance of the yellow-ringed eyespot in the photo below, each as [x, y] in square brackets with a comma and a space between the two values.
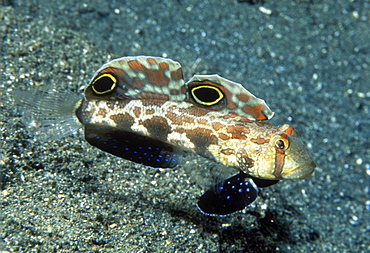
[207, 95]
[104, 83]
[282, 144]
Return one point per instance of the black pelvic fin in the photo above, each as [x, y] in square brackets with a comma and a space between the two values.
[228, 196]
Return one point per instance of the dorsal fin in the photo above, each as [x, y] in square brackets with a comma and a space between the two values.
[140, 77]
[220, 94]
[144, 77]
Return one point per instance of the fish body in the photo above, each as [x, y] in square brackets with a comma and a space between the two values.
[141, 109]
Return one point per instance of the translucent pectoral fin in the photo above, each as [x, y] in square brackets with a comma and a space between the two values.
[48, 115]
[228, 196]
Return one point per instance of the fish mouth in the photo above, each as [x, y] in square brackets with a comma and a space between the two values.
[300, 171]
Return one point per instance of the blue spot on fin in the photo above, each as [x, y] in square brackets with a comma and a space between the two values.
[228, 196]
[134, 147]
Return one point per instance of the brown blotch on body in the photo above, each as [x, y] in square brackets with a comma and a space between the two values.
[238, 136]
[240, 129]
[137, 111]
[228, 151]
[179, 119]
[102, 113]
[244, 119]
[149, 111]
[194, 111]
[230, 115]
[157, 127]
[259, 123]
[260, 140]
[123, 120]
[217, 126]
[223, 136]
[201, 138]
[202, 121]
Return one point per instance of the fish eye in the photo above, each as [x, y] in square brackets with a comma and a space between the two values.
[207, 95]
[104, 83]
[282, 144]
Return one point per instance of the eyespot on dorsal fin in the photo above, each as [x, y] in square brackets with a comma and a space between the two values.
[219, 94]
[140, 77]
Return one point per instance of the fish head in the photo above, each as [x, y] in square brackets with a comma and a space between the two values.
[284, 157]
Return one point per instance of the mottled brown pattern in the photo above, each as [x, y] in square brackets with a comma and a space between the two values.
[123, 120]
[259, 140]
[217, 132]
[152, 102]
[183, 90]
[259, 123]
[256, 111]
[223, 136]
[202, 121]
[227, 151]
[155, 77]
[217, 126]
[186, 119]
[102, 113]
[137, 84]
[244, 119]
[83, 116]
[175, 92]
[244, 161]
[238, 136]
[151, 61]
[137, 111]
[201, 138]
[230, 115]
[178, 119]
[112, 104]
[157, 127]
[243, 97]
[239, 129]
[229, 103]
[163, 66]
[176, 75]
[149, 111]
[195, 111]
